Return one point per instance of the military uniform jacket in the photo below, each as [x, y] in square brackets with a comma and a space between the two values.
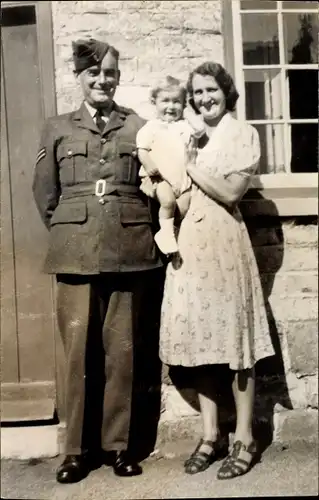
[86, 188]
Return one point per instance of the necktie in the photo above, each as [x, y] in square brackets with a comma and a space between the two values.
[99, 121]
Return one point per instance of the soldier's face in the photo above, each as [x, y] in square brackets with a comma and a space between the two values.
[99, 82]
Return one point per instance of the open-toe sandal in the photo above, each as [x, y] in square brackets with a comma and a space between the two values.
[239, 461]
[200, 460]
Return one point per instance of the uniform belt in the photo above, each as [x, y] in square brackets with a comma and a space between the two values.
[100, 188]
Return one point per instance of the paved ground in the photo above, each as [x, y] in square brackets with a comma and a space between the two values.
[282, 472]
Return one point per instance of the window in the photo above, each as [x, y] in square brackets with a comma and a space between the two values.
[275, 64]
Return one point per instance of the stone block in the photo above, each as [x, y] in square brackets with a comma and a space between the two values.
[289, 428]
[137, 98]
[150, 71]
[294, 308]
[178, 404]
[24, 443]
[287, 283]
[300, 235]
[296, 425]
[135, 23]
[297, 390]
[302, 340]
[165, 375]
[183, 428]
[312, 391]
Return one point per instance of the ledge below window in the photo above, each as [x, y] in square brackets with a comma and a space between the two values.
[282, 195]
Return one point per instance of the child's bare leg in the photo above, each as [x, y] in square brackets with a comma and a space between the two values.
[165, 238]
[167, 200]
[183, 202]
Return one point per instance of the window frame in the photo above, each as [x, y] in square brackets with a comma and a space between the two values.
[287, 194]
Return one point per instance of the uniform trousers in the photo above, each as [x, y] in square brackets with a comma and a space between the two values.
[98, 317]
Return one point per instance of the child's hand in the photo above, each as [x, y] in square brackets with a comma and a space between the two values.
[195, 121]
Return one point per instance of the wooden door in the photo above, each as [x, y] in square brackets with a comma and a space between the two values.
[28, 385]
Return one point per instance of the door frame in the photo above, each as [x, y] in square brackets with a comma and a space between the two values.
[44, 29]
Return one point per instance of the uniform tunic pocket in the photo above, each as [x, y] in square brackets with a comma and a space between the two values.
[134, 214]
[128, 168]
[72, 158]
[70, 213]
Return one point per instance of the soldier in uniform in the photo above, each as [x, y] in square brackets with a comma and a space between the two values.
[101, 249]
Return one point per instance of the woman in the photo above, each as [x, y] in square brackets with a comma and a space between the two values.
[213, 310]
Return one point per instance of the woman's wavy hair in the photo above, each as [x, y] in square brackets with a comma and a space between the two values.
[221, 76]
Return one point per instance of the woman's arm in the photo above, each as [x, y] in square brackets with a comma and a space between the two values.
[228, 190]
[231, 188]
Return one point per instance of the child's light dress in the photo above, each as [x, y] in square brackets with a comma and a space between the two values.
[168, 145]
[213, 307]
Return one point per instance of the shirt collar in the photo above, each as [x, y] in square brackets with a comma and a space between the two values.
[92, 110]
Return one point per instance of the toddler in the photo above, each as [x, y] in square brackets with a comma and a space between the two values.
[165, 146]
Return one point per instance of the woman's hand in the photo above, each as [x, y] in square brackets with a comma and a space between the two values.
[191, 152]
[195, 121]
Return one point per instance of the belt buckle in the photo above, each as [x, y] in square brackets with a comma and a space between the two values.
[100, 190]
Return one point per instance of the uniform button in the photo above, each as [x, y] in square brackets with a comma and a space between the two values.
[101, 201]
[103, 140]
[102, 161]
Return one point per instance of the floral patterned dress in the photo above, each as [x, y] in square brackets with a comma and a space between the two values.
[213, 308]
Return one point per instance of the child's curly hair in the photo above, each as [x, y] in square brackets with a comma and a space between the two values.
[168, 83]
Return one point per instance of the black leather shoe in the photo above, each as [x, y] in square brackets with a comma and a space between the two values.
[124, 465]
[73, 469]
[109, 457]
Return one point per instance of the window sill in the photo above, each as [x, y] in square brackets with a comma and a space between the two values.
[282, 195]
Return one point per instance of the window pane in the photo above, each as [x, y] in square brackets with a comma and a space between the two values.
[260, 39]
[303, 93]
[257, 4]
[272, 148]
[300, 5]
[263, 94]
[18, 16]
[301, 38]
[304, 147]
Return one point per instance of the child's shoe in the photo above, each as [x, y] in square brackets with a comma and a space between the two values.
[166, 241]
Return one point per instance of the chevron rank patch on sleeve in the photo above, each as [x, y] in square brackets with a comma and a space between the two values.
[41, 154]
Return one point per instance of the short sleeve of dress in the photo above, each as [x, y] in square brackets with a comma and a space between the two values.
[145, 136]
[251, 152]
[246, 152]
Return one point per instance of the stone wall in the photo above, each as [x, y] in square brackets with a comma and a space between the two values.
[154, 38]
[172, 37]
